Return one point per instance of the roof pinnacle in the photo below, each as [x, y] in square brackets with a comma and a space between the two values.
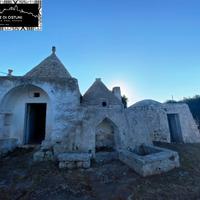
[53, 49]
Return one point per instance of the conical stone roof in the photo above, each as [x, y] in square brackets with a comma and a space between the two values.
[99, 92]
[51, 67]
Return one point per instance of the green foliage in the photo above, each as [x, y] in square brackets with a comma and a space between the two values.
[194, 105]
[124, 101]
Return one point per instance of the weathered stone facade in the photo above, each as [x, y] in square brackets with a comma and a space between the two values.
[168, 122]
[45, 106]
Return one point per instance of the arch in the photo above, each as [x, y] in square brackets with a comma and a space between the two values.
[106, 135]
[14, 110]
[27, 88]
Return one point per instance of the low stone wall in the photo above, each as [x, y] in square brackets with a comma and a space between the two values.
[161, 160]
[74, 160]
[7, 145]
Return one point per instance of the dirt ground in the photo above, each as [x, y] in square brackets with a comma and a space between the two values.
[20, 178]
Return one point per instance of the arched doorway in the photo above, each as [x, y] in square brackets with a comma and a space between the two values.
[26, 114]
[105, 137]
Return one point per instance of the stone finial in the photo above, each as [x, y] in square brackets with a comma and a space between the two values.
[53, 49]
[9, 72]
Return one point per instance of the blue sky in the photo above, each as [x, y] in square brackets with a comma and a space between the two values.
[151, 48]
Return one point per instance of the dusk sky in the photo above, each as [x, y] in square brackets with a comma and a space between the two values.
[151, 48]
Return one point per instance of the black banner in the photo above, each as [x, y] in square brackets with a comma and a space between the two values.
[24, 15]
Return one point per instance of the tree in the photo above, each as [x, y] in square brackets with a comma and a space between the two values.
[194, 105]
[124, 101]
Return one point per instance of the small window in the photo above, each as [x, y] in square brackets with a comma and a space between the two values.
[104, 104]
[36, 94]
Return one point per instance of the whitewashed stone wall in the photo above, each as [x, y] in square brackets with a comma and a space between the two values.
[139, 132]
[153, 118]
[80, 135]
[72, 127]
[190, 132]
[62, 98]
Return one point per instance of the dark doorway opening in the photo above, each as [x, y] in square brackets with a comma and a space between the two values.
[175, 128]
[35, 123]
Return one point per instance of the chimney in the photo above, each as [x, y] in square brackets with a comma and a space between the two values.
[9, 72]
[117, 92]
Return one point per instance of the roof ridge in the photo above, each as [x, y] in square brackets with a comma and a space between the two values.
[97, 81]
[99, 90]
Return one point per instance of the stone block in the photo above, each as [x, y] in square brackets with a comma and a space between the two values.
[79, 164]
[74, 156]
[38, 156]
[49, 155]
[74, 160]
[71, 165]
[157, 160]
[62, 165]
[86, 164]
